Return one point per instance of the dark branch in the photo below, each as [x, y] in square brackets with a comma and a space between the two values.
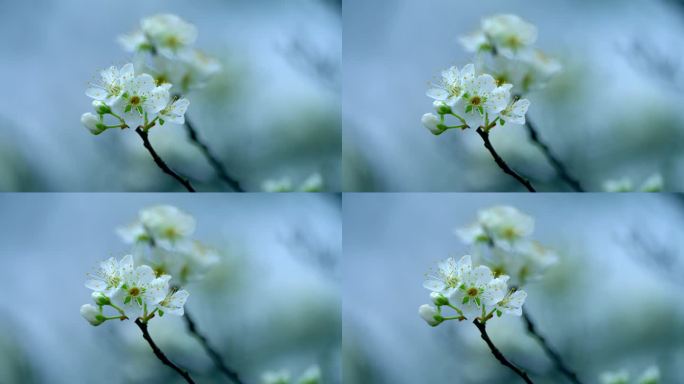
[160, 163]
[215, 163]
[160, 355]
[501, 163]
[498, 355]
[550, 352]
[560, 168]
[215, 356]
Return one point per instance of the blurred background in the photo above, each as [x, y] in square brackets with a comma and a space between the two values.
[271, 304]
[272, 113]
[614, 112]
[612, 302]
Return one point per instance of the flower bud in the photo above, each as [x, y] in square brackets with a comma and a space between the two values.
[93, 123]
[100, 298]
[438, 299]
[430, 315]
[100, 107]
[92, 314]
[432, 123]
[441, 107]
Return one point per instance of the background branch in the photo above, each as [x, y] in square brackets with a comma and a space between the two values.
[160, 355]
[215, 163]
[498, 355]
[215, 356]
[550, 352]
[558, 165]
[501, 163]
[160, 163]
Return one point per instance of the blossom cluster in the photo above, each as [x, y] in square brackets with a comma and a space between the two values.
[123, 99]
[311, 376]
[650, 376]
[163, 47]
[133, 291]
[505, 47]
[162, 238]
[472, 292]
[500, 238]
[481, 94]
[475, 100]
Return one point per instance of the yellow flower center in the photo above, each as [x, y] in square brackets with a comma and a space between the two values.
[476, 100]
[135, 100]
[135, 291]
[472, 292]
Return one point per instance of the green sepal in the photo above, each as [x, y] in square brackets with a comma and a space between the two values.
[139, 300]
[161, 313]
[139, 109]
[479, 108]
[498, 313]
[469, 109]
[128, 108]
[477, 300]
[502, 122]
[466, 300]
[127, 300]
[161, 121]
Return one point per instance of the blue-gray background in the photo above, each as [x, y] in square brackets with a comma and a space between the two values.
[613, 112]
[273, 112]
[612, 302]
[272, 303]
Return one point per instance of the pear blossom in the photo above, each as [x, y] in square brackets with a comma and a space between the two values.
[448, 276]
[452, 85]
[174, 112]
[173, 302]
[650, 376]
[109, 276]
[164, 223]
[142, 289]
[430, 315]
[515, 112]
[474, 292]
[507, 34]
[131, 101]
[92, 314]
[483, 95]
[113, 83]
[654, 183]
[163, 48]
[313, 183]
[501, 240]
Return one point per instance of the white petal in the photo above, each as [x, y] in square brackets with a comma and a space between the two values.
[96, 285]
[464, 266]
[434, 285]
[437, 93]
[481, 275]
[96, 93]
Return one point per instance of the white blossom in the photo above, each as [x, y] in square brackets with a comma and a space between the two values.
[142, 290]
[509, 34]
[515, 112]
[109, 276]
[173, 302]
[312, 375]
[276, 377]
[448, 276]
[168, 33]
[164, 223]
[619, 377]
[452, 85]
[112, 85]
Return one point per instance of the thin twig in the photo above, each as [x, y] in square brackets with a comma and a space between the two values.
[558, 165]
[215, 356]
[550, 352]
[160, 355]
[160, 163]
[215, 163]
[498, 355]
[501, 163]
